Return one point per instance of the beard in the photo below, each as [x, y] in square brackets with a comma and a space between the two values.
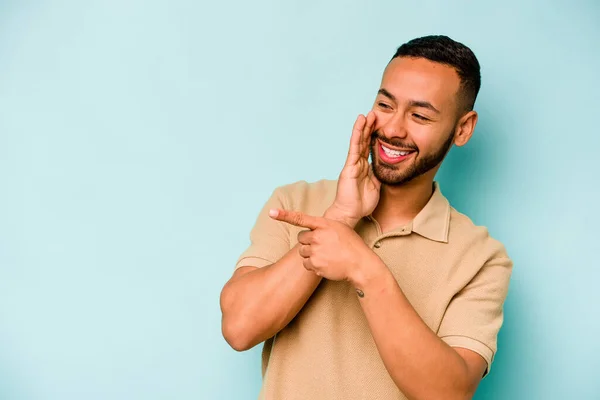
[399, 174]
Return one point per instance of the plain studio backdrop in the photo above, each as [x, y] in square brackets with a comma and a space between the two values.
[139, 139]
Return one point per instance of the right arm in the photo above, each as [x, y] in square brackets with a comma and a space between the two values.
[256, 303]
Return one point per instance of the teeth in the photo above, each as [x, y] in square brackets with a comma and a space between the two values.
[394, 153]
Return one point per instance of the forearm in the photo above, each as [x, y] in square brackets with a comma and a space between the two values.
[419, 362]
[259, 303]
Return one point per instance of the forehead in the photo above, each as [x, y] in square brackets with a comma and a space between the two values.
[421, 79]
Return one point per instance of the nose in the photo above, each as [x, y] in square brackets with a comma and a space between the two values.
[393, 126]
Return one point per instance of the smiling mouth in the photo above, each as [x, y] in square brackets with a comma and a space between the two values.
[393, 156]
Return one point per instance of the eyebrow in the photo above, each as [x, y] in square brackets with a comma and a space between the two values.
[412, 103]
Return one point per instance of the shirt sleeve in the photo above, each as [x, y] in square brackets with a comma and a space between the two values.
[474, 316]
[269, 238]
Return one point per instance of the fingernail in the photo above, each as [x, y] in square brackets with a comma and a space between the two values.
[273, 212]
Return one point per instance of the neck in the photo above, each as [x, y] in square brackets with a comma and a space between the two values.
[398, 205]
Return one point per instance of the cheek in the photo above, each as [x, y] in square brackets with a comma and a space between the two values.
[427, 138]
[381, 119]
[421, 135]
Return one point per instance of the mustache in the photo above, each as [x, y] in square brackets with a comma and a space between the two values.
[396, 142]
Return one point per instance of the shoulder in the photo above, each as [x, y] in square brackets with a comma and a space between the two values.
[475, 240]
[308, 197]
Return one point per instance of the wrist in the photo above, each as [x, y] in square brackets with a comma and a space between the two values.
[336, 215]
[369, 269]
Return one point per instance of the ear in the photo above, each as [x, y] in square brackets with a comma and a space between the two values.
[465, 128]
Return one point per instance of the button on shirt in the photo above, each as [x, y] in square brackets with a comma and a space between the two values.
[452, 272]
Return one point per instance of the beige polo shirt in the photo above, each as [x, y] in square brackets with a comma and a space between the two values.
[452, 272]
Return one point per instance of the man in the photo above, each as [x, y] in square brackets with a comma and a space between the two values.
[373, 286]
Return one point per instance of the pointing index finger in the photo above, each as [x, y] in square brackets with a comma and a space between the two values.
[296, 218]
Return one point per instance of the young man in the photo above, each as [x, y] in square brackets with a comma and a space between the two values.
[373, 286]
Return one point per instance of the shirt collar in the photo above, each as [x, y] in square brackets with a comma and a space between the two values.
[433, 221]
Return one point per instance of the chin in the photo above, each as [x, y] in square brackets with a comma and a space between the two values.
[393, 174]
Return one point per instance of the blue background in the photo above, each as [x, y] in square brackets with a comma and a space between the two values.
[139, 139]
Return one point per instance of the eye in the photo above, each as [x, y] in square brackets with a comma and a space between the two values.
[383, 105]
[420, 117]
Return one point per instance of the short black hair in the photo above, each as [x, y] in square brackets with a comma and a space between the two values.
[442, 49]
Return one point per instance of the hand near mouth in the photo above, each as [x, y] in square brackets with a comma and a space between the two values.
[357, 189]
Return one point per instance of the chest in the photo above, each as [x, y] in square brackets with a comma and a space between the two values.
[429, 273]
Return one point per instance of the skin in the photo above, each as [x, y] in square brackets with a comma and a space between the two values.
[418, 107]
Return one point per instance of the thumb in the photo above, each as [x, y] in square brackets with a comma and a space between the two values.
[296, 218]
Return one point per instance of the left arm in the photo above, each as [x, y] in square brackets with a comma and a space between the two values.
[420, 363]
